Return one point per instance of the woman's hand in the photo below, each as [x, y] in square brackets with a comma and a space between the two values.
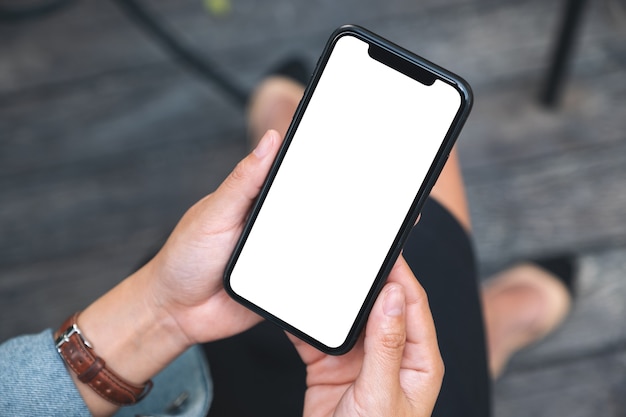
[177, 299]
[396, 370]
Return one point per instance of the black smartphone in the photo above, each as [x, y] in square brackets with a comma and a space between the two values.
[369, 138]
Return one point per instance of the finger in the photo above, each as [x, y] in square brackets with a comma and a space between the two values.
[242, 186]
[307, 353]
[420, 327]
[421, 356]
[385, 338]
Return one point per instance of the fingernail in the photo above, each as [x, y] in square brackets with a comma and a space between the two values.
[393, 304]
[264, 146]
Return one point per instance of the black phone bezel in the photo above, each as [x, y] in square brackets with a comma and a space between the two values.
[413, 66]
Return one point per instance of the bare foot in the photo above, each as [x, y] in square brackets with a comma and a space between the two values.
[272, 106]
[521, 305]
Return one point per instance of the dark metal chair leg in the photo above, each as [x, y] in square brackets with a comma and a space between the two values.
[557, 73]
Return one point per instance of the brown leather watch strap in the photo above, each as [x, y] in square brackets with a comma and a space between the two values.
[78, 354]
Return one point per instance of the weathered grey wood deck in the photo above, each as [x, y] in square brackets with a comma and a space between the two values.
[104, 142]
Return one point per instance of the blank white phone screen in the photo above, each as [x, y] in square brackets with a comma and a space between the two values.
[356, 162]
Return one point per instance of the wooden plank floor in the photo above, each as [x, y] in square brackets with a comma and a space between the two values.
[104, 141]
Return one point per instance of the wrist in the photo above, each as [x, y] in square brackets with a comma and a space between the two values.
[135, 338]
[129, 331]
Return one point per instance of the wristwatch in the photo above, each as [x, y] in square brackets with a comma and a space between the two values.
[78, 355]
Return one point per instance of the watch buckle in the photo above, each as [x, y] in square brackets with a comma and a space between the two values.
[69, 332]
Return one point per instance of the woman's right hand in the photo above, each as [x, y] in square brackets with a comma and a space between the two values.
[396, 370]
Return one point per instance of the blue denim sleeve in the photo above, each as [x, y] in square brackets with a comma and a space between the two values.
[34, 381]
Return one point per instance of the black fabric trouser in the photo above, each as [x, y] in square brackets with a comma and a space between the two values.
[259, 373]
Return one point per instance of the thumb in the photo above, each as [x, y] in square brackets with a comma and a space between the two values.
[385, 339]
[242, 186]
